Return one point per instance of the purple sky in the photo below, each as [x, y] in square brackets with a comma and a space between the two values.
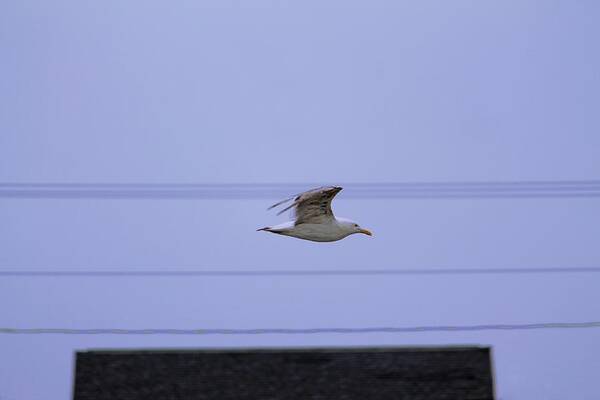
[311, 91]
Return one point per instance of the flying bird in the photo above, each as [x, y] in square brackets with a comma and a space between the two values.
[314, 219]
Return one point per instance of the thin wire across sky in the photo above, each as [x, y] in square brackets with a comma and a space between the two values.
[302, 331]
[389, 190]
[116, 273]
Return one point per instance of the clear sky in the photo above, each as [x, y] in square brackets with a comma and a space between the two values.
[310, 91]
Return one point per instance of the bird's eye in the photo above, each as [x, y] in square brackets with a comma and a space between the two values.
[356, 225]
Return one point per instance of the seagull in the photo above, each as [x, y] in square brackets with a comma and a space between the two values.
[314, 219]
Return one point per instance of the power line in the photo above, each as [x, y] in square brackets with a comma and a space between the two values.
[406, 190]
[302, 331]
[532, 183]
[296, 272]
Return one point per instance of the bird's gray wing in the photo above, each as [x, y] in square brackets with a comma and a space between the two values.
[312, 206]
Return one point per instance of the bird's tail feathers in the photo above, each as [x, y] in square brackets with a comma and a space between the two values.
[271, 229]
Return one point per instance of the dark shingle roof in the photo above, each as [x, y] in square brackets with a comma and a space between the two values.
[450, 373]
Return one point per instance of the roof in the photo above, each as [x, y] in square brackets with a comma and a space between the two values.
[449, 373]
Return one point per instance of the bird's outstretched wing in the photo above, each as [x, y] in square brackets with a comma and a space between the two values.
[312, 206]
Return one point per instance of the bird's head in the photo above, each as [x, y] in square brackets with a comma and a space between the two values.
[353, 227]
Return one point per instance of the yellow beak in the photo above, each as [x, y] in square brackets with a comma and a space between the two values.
[366, 232]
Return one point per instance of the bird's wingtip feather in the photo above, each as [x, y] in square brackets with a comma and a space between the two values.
[280, 203]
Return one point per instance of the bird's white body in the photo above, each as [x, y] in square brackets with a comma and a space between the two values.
[332, 230]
